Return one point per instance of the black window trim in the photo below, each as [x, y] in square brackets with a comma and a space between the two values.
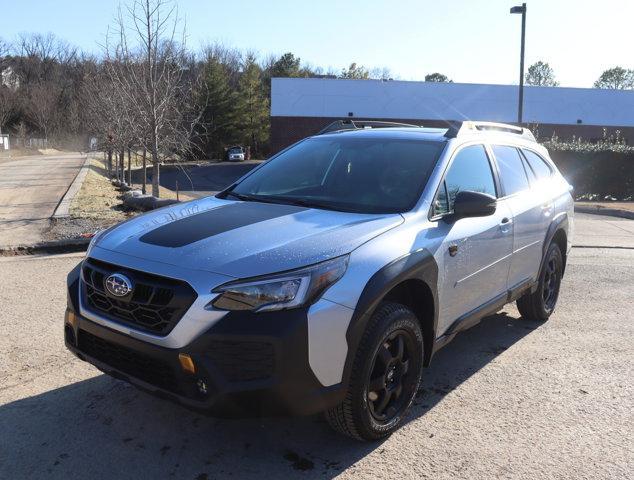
[494, 172]
[524, 163]
[541, 157]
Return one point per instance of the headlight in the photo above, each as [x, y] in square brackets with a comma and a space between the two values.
[282, 291]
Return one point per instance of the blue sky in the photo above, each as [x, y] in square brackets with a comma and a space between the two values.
[472, 41]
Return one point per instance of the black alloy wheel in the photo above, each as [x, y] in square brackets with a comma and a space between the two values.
[540, 304]
[389, 376]
[551, 282]
[385, 376]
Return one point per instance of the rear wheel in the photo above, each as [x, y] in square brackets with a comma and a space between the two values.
[385, 377]
[541, 304]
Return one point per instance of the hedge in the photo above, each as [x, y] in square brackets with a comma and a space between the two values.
[596, 170]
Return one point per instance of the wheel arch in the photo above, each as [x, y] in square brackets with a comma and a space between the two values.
[415, 294]
[561, 239]
[557, 232]
[411, 280]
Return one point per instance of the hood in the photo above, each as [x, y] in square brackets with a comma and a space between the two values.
[243, 239]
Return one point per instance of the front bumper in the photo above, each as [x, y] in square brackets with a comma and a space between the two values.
[246, 364]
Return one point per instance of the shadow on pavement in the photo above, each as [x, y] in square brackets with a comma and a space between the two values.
[103, 428]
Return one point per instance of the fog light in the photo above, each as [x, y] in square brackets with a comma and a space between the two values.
[187, 364]
[202, 386]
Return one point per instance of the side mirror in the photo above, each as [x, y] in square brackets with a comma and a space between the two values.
[473, 204]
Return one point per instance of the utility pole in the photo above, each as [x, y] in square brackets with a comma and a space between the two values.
[520, 106]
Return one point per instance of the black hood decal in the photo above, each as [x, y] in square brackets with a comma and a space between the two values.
[215, 221]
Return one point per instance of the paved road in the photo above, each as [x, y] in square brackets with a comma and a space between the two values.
[506, 399]
[30, 189]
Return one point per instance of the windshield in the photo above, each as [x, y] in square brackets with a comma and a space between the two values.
[235, 150]
[362, 175]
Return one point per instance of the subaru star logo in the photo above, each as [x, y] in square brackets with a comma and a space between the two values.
[118, 285]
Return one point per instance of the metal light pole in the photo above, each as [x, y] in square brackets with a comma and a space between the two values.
[521, 9]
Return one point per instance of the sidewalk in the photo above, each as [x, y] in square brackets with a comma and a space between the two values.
[616, 209]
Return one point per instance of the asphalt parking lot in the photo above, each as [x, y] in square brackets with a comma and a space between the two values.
[203, 180]
[506, 399]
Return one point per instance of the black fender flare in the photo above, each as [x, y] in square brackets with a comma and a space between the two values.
[560, 222]
[416, 265]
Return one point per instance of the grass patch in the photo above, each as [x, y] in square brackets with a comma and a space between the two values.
[98, 199]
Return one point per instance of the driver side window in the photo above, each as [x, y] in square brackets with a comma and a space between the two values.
[470, 170]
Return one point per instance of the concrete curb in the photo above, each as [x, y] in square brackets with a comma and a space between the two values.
[55, 246]
[63, 207]
[613, 212]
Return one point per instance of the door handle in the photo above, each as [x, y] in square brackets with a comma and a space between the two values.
[505, 225]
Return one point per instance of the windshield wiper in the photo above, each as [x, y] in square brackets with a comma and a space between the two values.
[302, 202]
[239, 196]
[247, 198]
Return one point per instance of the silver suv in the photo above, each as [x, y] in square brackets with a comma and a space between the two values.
[325, 279]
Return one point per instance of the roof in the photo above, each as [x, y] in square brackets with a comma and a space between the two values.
[419, 133]
[374, 129]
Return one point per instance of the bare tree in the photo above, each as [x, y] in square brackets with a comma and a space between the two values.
[109, 118]
[5, 49]
[40, 56]
[9, 104]
[42, 106]
[383, 73]
[145, 66]
[8, 96]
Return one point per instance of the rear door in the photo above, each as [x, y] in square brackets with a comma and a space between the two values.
[531, 210]
[474, 255]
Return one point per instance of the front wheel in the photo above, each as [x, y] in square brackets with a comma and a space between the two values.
[541, 304]
[385, 375]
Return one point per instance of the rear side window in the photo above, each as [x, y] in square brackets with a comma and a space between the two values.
[512, 173]
[537, 164]
[470, 170]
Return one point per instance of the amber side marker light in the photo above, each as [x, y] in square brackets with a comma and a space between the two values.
[71, 318]
[187, 364]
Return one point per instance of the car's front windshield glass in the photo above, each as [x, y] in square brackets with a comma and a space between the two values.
[338, 172]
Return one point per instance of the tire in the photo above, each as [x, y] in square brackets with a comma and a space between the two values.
[540, 305]
[390, 359]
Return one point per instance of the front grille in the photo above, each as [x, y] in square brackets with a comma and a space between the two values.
[131, 362]
[242, 361]
[155, 305]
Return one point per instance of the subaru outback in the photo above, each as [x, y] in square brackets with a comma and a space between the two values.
[325, 279]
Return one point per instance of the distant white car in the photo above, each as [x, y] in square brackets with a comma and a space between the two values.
[235, 154]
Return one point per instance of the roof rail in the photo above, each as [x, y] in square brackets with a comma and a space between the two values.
[349, 124]
[460, 128]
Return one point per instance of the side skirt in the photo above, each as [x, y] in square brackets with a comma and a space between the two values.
[472, 318]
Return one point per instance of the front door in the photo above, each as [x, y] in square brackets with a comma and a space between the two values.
[474, 256]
